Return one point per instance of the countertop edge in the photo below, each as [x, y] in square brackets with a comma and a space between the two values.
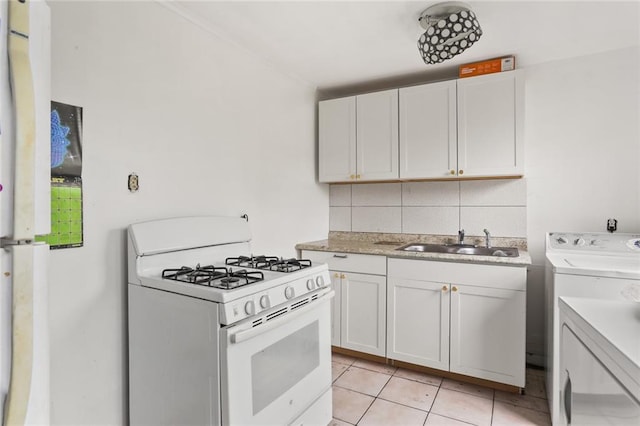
[362, 247]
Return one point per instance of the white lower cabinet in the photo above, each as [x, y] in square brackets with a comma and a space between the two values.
[487, 337]
[418, 322]
[363, 319]
[359, 306]
[463, 318]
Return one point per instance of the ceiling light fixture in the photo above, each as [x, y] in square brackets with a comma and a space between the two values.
[451, 28]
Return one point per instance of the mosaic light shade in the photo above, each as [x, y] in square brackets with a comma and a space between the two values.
[448, 33]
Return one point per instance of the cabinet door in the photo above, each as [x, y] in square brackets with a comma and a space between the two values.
[490, 119]
[337, 139]
[428, 141]
[336, 284]
[488, 333]
[377, 135]
[418, 322]
[364, 313]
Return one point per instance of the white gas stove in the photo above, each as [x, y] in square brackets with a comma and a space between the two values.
[264, 316]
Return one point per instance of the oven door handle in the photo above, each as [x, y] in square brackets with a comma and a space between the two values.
[244, 335]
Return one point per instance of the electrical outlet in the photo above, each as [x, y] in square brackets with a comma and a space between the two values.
[133, 183]
[612, 225]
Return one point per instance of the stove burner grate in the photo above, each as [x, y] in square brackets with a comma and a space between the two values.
[197, 275]
[289, 265]
[217, 277]
[269, 263]
[257, 262]
[238, 279]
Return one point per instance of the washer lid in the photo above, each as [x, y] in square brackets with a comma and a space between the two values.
[597, 266]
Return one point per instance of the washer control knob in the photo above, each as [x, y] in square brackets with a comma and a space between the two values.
[310, 284]
[579, 242]
[265, 303]
[562, 240]
[289, 292]
[250, 307]
[320, 281]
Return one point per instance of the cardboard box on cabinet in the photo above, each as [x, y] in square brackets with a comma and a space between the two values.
[506, 63]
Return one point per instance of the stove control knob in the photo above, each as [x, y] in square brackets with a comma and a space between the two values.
[310, 284]
[250, 307]
[289, 292]
[265, 303]
[579, 242]
[320, 281]
[562, 240]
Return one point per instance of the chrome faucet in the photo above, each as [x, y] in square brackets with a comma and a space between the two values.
[487, 235]
[461, 236]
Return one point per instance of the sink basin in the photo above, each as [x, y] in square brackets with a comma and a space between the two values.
[461, 249]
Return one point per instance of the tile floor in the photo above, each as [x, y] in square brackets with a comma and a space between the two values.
[369, 393]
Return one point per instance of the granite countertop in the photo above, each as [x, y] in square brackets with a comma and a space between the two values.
[386, 245]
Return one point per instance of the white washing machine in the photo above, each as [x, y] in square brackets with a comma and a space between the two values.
[599, 362]
[593, 265]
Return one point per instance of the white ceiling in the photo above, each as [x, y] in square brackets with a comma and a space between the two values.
[334, 44]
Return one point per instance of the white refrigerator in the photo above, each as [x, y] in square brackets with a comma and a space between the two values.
[24, 210]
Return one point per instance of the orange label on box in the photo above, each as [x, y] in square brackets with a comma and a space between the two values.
[487, 67]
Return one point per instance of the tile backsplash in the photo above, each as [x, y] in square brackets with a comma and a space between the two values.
[440, 208]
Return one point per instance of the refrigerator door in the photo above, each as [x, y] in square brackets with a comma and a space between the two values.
[25, 129]
[26, 398]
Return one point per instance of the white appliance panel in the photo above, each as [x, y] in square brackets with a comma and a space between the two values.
[24, 210]
[277, 369]
[600, 362]
[25, 270]
[177, 335]
[167, 235]
[26, 213]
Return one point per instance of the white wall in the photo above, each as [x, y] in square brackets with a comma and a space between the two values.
[208, 128]
[582, 148]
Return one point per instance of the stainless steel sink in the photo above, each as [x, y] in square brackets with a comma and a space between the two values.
[461, 249]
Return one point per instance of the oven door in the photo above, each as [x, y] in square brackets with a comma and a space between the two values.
[278, 364]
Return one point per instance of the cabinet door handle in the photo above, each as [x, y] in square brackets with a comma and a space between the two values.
[336, 275]
[352, 176]
[460, 172]
[454, 288]
[340, 256]
[343, 276]
[453, 172]
[357, 176]
[445, 288]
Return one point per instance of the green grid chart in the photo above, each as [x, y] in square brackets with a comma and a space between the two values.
[66, 213]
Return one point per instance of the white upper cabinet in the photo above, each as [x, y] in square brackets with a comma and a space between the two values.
[427, 127]
[358, 138]
[490, 118]
[470, 127]
[377, 136]
[337, 139]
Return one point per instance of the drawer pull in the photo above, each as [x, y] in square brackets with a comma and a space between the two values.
[340, 256]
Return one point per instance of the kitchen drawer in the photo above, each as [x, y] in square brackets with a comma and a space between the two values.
[505, 277]
[349, 262]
